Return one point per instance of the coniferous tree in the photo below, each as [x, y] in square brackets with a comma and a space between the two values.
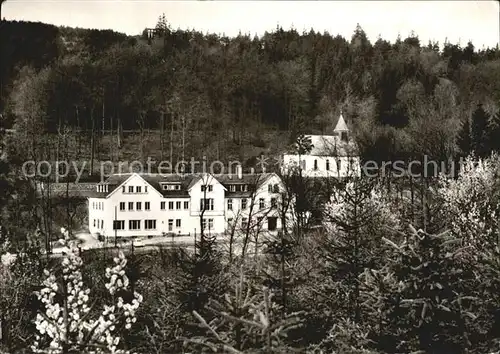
[494, 132]
[430, 308]
[479, 132]
[4, 167]
[355, 219]
[464, 139]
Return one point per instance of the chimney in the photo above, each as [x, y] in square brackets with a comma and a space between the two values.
[239, 172]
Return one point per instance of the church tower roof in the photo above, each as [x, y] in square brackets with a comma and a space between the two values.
[341, 126]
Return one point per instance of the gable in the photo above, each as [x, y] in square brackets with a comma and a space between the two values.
[134, 180]
[205, 179]
[270, 179]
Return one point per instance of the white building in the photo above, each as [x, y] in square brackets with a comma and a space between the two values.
[330, 156]
[139, 205]
[254, 201]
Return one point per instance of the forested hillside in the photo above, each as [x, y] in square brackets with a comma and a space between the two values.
[113, 97]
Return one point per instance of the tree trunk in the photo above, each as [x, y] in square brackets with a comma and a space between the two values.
[118, 133]
[356, 267]
[171, 140]
[111, 148]
[92, 142]
[283, 275]
[58, 132]
[141, 135]
[103, 113]
[183, 134]
[424, 202]
[162, 138]
[101, 135]
[412, 193]
[78, 135]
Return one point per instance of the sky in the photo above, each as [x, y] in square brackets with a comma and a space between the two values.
[458, 21]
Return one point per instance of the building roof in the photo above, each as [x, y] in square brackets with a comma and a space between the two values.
[329, 145]
[186, 181]
[72, 189]
[341, 126]
[254, 181]
[89, 190]
[244, 178]
[156, 180]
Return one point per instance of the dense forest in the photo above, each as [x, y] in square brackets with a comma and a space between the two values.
[176, 92]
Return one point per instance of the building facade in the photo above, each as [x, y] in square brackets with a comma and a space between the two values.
[141, 205]
[330, 155]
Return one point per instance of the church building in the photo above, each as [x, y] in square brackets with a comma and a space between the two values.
[332, 155]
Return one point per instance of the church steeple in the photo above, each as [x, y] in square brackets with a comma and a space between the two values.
[341, 128]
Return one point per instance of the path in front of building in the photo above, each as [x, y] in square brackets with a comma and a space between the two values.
[87, 242]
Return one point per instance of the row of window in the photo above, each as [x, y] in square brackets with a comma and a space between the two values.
[98, 205]
[148, 224]
[206, 204]
[208, 188]
[272, 223]
[230, 204]
[99, 224]
[176, 187]
[273, 188]
[102, 188]
[138, 206]
[147, 206]
[171, 205]
[137, 189]
[207, 223]
[171, 187]
[204, 188]
[238, 187]
[327, 164]
[134, 224]
[262, 203]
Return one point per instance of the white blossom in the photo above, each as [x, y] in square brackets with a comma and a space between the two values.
[66, 324]
[342, 202]
[471, 203]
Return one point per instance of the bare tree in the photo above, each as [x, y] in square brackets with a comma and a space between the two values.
[206, 241]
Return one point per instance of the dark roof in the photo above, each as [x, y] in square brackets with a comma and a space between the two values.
[246, 178]
[329, 145]
[82, 190]
[185, 181]
[114, 182]
[89, 190]
[156, 180]
[117, 178]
